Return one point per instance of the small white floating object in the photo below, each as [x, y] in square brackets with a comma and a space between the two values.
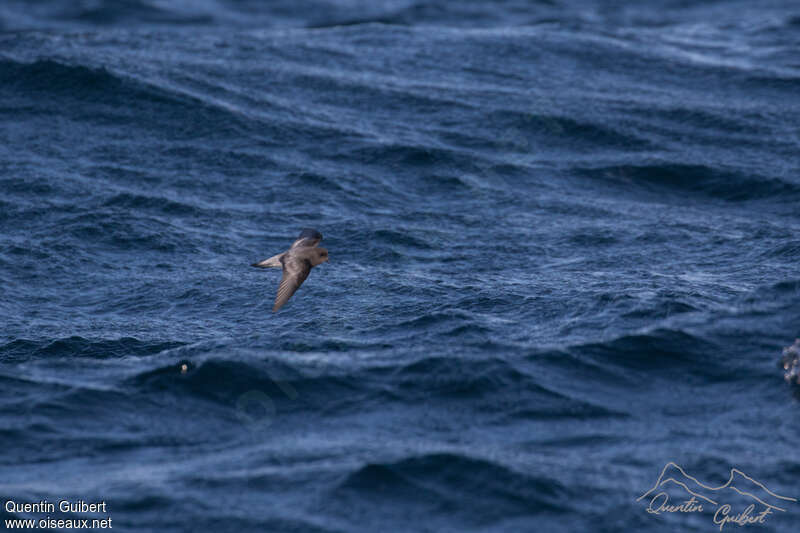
[791, 362]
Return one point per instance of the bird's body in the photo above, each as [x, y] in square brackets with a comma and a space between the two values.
[296, 263]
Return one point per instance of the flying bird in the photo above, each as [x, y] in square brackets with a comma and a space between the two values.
[296, 263]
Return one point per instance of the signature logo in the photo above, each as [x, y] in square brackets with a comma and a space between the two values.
[741, 501]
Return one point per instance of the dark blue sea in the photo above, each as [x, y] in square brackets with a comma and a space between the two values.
[564, 258]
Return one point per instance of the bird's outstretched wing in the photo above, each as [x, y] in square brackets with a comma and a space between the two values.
[272, 262]
[308, 237]
[295, 272]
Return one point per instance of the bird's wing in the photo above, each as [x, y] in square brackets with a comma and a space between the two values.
[308, 237]
[295, 272]
[274, 262]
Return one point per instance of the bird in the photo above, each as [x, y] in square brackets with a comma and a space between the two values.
[296, 263]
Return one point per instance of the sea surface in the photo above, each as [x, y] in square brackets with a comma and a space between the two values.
[564, 252]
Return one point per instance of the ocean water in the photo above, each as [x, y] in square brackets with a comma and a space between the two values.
[564, 252]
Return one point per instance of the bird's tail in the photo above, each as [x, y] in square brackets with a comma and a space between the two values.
[272, 262]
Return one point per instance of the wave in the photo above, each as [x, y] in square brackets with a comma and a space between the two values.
[47, 76]
[788, 286]
[669, 307]
[729, 185]
[20, 350]
[327, 14]
[789, 251]
[437, 12]
[103, 13]
[526, 131]
[494, 387]
[188, 206]
[409, 158]
[665, 352]
[187, 110]
[142, 202]
[119, 231]
[444, 481]
[225, 380]
[132, 11]
[495, 381]
[98, 95]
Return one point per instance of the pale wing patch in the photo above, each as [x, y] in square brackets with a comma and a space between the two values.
[272, 262]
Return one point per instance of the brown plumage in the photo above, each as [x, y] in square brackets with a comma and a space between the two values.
[296, 263]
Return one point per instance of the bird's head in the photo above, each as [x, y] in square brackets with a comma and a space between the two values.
[321, 256]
